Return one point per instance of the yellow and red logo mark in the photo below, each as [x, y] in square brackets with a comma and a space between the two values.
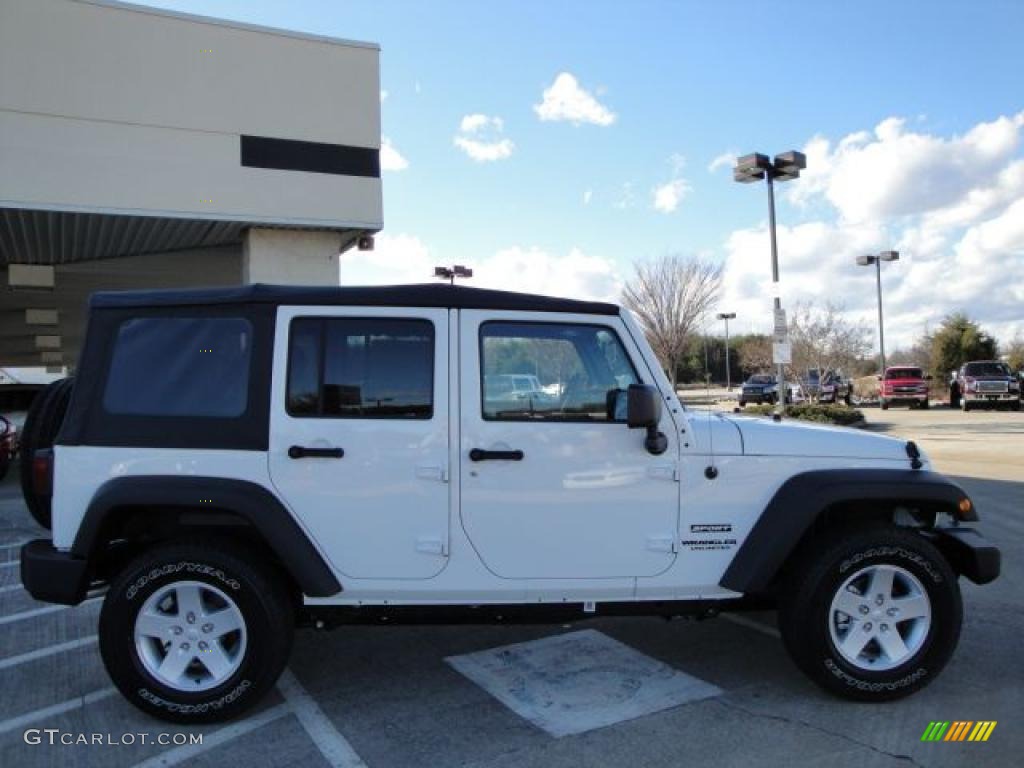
[958, 730]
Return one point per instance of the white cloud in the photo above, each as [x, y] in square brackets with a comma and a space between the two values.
[668, 196]
[895, 172]
[724, 160]
[480, 137]
[566, 100]
[403, 258]
[627, 199]
[390, 158]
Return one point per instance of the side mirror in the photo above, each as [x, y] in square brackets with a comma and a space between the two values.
[643, 411]
[643, 406]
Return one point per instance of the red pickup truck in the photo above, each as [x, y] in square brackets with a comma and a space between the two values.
[904, 384]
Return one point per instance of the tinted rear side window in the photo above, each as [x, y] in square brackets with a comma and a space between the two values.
[180, 366]
[368, 368]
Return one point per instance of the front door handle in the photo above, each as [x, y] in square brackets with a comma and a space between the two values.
[479, 454]
[302, 452]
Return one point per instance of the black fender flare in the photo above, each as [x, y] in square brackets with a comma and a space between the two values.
[250, 501]
[799, 501]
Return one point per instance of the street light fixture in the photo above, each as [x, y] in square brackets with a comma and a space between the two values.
[784, 167]
[877, 259]
[727, 316]
[450, 273]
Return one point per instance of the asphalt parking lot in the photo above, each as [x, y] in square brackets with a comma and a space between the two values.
[386, 697]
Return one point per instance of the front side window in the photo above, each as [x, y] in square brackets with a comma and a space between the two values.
[180, 366]
[552, 372]
[361, 368]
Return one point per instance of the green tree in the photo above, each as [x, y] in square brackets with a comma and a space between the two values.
[957, 340]
[1015, 353]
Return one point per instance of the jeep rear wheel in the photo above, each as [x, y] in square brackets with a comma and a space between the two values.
[192, 633]
[875, 616]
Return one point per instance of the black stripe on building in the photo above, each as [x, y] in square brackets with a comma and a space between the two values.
[312, 156]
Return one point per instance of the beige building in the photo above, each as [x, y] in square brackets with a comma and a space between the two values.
[141, 148]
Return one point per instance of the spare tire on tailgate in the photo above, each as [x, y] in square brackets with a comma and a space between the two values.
[41, 426]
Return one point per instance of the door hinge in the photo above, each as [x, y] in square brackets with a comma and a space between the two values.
[431, 545]
[662, 544]
[432, 472]
[664, 472]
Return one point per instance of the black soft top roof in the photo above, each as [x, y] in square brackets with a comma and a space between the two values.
[426, 295]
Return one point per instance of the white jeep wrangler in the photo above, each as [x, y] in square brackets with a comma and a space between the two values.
[236, 462]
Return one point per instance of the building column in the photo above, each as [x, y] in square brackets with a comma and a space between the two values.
[290, 257]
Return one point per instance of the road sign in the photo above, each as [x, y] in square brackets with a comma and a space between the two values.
[781, 327]
[782, 353]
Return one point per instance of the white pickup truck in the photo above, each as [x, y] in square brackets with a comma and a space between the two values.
[235, 462]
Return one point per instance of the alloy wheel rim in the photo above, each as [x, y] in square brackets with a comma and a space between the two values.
[879, 617]
[190, 636]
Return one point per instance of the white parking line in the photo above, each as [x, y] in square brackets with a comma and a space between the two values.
[332, 745]
[42, 653]
[11, 587]
[11, 564]
[743, 621]
[15, 617]
[220, 736]
[46, 713]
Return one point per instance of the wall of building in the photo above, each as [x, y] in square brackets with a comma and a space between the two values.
[128, 110]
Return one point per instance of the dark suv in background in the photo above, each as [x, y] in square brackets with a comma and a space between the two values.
[759, 388]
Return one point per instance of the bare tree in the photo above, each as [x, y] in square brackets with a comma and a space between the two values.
[670, 297]
[755, 354]
[825, 340]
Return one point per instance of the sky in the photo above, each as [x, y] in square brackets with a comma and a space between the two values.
[551, 144]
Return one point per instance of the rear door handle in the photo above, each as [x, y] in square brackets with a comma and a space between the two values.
[479, 454]
[302, 452]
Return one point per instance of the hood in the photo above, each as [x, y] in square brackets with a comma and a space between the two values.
[757, 436]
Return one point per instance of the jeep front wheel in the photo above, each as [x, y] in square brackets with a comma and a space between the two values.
[875, 617]
[193, 633]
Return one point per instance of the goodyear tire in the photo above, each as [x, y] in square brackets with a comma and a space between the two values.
[42, 423]
[192, 632]
[875, 616]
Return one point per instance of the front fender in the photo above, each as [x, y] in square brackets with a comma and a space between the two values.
[803, 497]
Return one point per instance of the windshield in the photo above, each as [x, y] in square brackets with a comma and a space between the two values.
[986, 369]
[904, 373]
[761, 380]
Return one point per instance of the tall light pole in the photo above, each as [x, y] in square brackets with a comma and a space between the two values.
[784, 167]
[450, 273]
[877, 259]
[727, 316]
